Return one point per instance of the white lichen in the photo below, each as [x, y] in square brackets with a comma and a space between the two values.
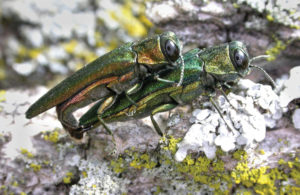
[281, 11]
[162, 12]
[98, 178]
[247, 123]
[296, 119]
[291, 87]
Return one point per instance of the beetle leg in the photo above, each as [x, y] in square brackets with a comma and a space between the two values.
[156, 77]
[86, 96]
[220, 113]
[130, 91]
[108, 102]
[105, 105]
[224, 95]
[162, 108]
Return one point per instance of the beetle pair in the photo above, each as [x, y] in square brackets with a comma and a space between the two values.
[113, 77]
[122, 70]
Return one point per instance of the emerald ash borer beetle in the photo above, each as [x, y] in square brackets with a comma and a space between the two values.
[121, 71]
[205, 71]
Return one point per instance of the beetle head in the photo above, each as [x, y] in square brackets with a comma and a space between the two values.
[170, 46]
[226, 63]
[158, 52]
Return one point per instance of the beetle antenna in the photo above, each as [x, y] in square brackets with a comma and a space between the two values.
[261, 69]
[182, 71]
[259, 57]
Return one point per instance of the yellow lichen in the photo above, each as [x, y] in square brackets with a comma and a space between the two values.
[128, 21]
[118, 165]
[277, 49]
[235, 5]
[86, 56]
[262, 152]
[2, 95]
[84, 174]
[67, 179]
[142, 161]
[171, 143]
[258, 178]
[15, 184]
[52, 137]
[240, 155]
[158, 190]
[98, 39]
[270, 17]
[35, 167]
[70, 46]
[142, 16]
[265, 180]
[24, 52]
[212, 172]
[288, 189]
[2, 70]
[26, 153]
[206, 171]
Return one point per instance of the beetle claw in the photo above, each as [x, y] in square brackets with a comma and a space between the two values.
[78, 133]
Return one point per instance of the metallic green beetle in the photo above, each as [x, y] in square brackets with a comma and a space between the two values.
[205, 71]
[121, 70]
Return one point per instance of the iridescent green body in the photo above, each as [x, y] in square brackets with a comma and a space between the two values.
[204, 71]
[108, 76]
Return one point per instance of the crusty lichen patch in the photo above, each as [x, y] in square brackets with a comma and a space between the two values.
[212, 174]
[278, 47]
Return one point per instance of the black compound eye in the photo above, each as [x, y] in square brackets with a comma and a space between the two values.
[241, 59]
[171, 50]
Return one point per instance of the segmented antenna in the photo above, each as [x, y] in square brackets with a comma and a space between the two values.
[261, 69]
[182, 71]
[258, 58]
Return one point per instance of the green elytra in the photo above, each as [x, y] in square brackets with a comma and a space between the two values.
[122, 70]
[204, 71]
